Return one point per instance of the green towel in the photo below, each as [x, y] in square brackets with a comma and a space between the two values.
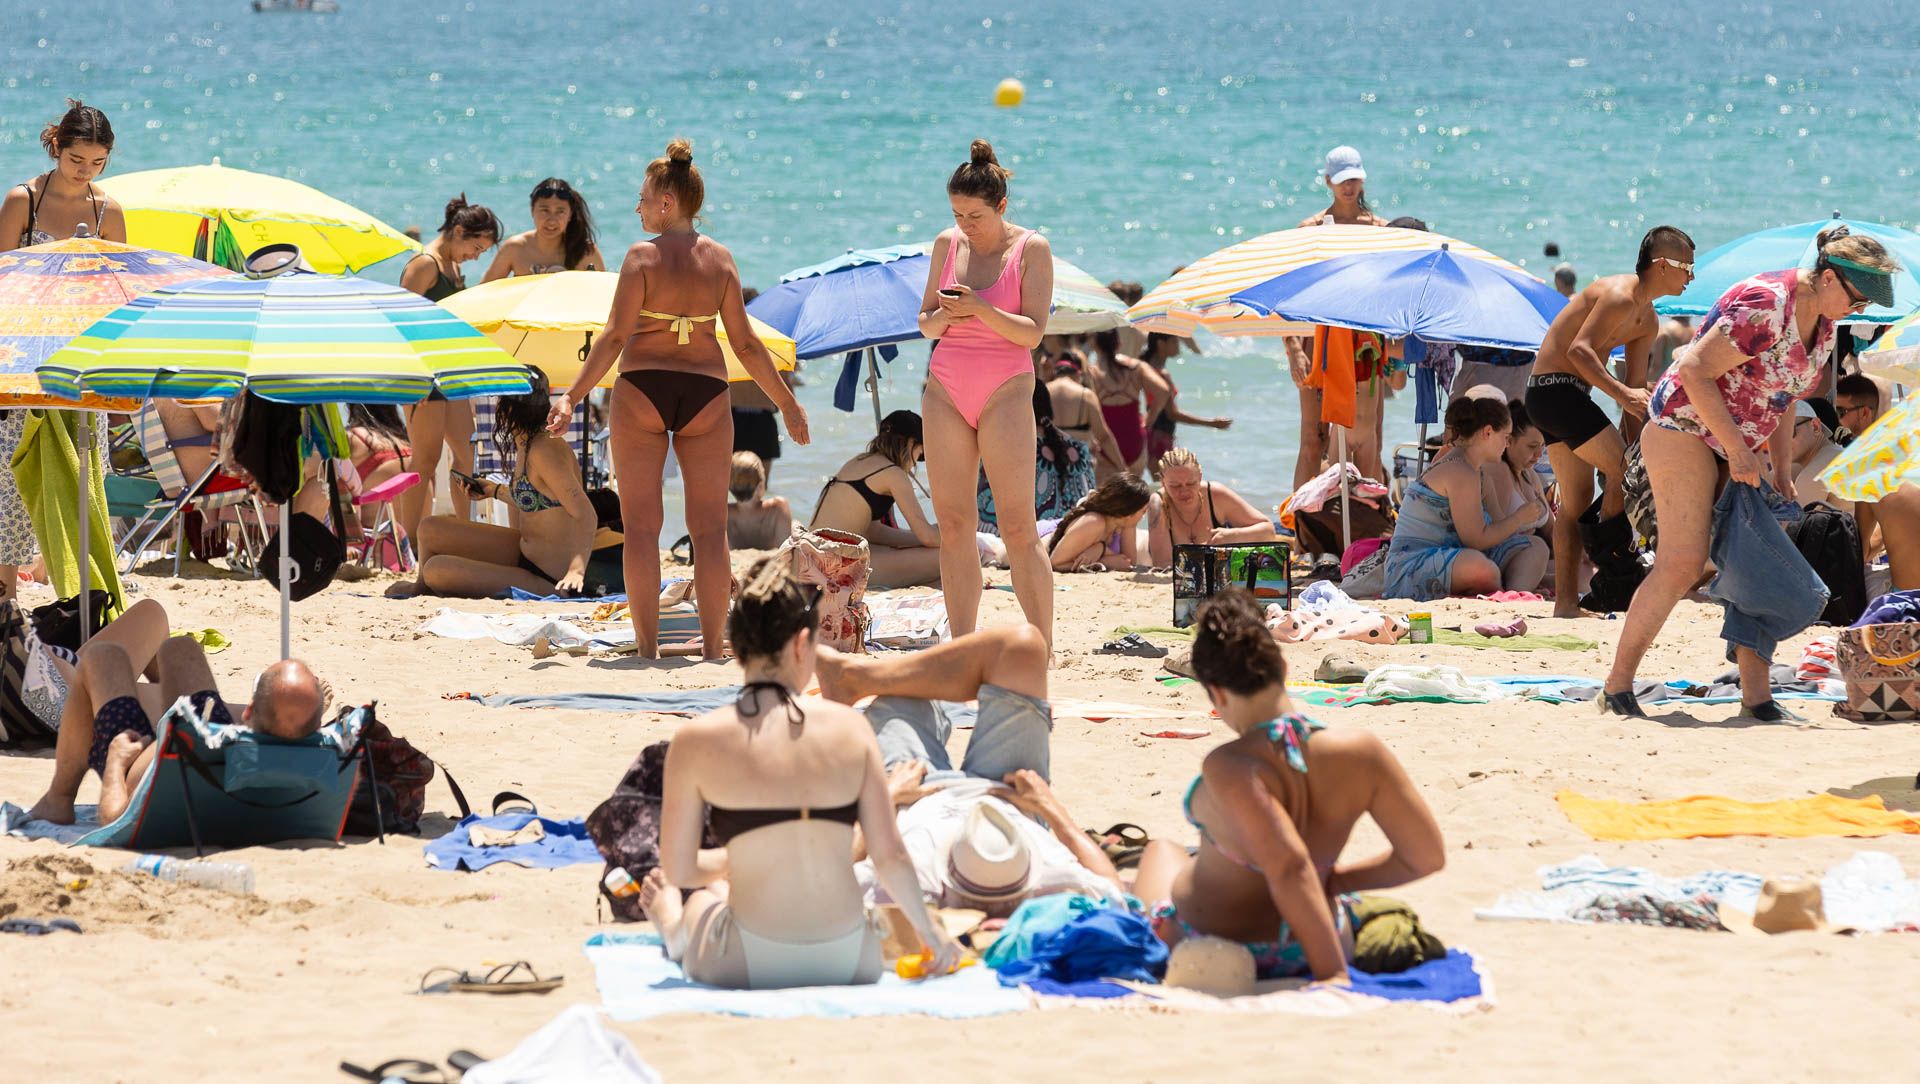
[1388, 937]
[47, 468]
[1153, 632]
[211, 639]
[1532, 641]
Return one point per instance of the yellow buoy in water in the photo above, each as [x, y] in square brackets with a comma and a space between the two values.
[1009, 93]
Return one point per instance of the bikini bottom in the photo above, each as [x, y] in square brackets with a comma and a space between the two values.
[676, 396]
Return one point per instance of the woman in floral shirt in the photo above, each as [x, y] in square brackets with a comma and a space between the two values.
[1761, 348]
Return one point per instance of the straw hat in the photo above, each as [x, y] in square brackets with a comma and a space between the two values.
[1786, 905]
[989, 863]
[1211, 965]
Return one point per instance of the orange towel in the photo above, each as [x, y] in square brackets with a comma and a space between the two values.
[1333, 374]
[1706, 815]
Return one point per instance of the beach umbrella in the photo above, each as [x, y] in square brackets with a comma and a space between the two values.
[296, 337]
[1201, 294]
[217, 213]
[549, 321]
[1880, 460]
[1436, 295]
[1715, 271]
[1896, 355]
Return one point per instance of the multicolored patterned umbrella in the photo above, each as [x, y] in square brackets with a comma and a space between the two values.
[1201, 294]
[51, 293]
[1896, 355]
[295, 338]
[1880, 460]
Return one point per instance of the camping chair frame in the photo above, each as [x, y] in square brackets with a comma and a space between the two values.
[184, 497]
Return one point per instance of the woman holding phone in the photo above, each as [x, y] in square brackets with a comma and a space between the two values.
[986, 303]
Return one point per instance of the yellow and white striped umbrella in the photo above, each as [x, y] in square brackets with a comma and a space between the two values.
[1198, 296]
[1880, 460]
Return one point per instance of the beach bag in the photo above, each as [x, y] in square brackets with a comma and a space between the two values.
[1319, 531]
[1639, 493]
[626, 828]
[19, 724]
[58, 622]
[838, 563]
[397, 775]
[316, 550]
[1201, 571]
[1830, 541]
[1881, 667]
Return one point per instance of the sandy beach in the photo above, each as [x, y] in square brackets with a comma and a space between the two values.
[172, 982]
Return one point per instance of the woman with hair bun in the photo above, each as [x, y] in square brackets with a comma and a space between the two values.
[561, 239]
[466, 231]
[1275, 807]
[782, 780]
[986, 302]
[675, 288]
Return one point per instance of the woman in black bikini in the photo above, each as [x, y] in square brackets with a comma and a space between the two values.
[54, 206]
[467, 231]
[1190, 509]
[860, 499]
[672, 391]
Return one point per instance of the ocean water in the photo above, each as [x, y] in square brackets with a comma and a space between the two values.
[1151, 134]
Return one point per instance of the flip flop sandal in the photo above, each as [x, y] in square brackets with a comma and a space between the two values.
[1123, 844]
[500, 980]
[398, 1071]
[1502, 629]
[673, 551]
[1135, 645]
[33, 927]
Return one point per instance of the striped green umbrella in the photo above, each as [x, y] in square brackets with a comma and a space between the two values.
[1081, 304]
[294, 338]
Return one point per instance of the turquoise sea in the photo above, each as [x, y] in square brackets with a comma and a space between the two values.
[1152, 133]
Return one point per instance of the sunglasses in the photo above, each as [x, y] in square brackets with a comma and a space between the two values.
[552, 191]
[1670, 262]
[1856, 302]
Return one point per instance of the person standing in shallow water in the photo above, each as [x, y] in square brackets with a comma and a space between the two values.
[986, 302]
[675, 288]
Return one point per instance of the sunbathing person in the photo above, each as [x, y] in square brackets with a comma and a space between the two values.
[1099, 534]
[547, 550]
[755, 521]
[1190, 509]
[862, 498]
[1449, 539]
[1275, 808]
[783, 782]
[108, 724]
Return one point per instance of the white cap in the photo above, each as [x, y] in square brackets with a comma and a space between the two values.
[1343, 164]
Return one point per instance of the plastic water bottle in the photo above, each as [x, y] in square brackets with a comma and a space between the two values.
[234, 877]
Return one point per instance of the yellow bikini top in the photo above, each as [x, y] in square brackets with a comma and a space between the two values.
[681, 325]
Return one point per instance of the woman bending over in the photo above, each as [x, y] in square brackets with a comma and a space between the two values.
[1099, 534]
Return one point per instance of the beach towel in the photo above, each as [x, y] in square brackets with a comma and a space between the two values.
[565, 843]
[47, 467]
[1532, 641]
[687, 703]
[1708, 815]
[521, 594]
[638, 982]
[1101, 945]
[1037, 917]
[1453, 984]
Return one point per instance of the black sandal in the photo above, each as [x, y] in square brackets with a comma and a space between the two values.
[410, 1070]
[500, 980]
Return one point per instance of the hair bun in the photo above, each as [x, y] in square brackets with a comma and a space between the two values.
[456, 204]
[680, 150]
[983, 153]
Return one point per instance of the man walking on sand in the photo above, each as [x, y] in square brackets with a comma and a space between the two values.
[1613, 312]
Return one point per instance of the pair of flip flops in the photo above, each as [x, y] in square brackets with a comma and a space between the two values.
[415, 1070]
[1123, 844]
[518, 977]
[1502, 629]
[33, 927]
[1135, 645]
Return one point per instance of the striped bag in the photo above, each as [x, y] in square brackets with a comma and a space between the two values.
[1881, 666]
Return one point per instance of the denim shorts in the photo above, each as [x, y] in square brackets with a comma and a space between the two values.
[1011, 731]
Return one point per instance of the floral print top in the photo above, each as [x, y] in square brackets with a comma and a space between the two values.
[1758, 314]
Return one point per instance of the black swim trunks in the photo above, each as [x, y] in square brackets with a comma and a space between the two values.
[757, 431]
[1562, 405]
[124, 714]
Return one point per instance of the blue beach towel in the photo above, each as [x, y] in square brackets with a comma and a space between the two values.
[1103, 944]
[1448, 979]
[566, 844]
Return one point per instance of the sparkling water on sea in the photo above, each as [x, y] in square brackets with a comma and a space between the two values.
[1151, 133]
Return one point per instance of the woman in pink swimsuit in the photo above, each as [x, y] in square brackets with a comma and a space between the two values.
[986, 303]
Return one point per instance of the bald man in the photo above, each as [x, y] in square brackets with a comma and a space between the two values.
[108, 722]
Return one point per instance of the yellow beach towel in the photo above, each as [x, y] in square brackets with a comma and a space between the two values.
[1706, 815]
[47, 467]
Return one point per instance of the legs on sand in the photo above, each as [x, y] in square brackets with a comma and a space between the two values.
[431, 425]
[907, 566]
[1013, 657]
[1682, 473]
[464, 559]
[1573, 469]
[1003, 444]
[128, 645]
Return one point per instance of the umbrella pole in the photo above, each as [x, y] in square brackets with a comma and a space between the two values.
[287, 572]
[873, 382]
[1346, 492]
[86, 455]
[1420, 455]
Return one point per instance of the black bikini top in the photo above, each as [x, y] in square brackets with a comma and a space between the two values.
[728, 823]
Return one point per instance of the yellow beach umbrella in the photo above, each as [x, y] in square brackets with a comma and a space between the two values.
[218, 214]
[1880, 460]
[549, 321]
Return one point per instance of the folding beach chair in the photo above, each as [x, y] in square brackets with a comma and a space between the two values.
[209, 493]
[231, 786]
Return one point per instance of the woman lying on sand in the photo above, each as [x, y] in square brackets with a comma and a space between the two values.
[783, 782]
[1099, 534]
[1275, 807]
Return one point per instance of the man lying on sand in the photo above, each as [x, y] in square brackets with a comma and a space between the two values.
[108, 724]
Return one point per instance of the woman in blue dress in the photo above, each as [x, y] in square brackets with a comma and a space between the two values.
[1447, 542]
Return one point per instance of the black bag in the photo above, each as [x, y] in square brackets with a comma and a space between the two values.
[1830, 541]
[317, 552]
[58, 623]
[18, 724]
[1319, 532]
[394, 793]
[626, 828]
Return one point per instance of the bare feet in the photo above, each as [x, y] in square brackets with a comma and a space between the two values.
[406, 589]
[53, 808]
[116, 789]
[661, 902]
[836, 671]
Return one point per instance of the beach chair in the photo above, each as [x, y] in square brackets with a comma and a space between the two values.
[210, 493]
[230, 786]
[379, 500]
[490, 459]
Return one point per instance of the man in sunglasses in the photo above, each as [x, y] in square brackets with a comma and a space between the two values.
[1858, 399]
[1614, 313]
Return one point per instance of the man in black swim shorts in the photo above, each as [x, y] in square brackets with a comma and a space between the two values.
[1614, 312]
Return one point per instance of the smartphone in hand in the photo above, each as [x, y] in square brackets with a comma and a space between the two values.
[474, 485]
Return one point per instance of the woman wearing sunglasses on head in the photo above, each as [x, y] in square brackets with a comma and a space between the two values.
[561, 238]
[1761, 348]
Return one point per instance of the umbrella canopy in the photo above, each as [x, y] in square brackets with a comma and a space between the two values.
[1436, 295]
[51, 293]
[1715, 271]
[1896, 355]
[550, 320]
[295, 338]
[1880, 460]
[1201, 295]
[177, 209]
[1081, 304]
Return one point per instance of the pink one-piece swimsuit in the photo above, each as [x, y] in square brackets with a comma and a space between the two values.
[972, 360]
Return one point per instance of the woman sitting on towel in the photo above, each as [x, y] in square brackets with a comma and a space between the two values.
[1519, 482]
[548, 550]
[862, 498]
[1275, 807]
[1453, 536]
[1099, 535]
[783, 781]
[1190, 509]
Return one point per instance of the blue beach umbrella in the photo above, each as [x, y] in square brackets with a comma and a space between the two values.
[860, 304]
[1715, 271]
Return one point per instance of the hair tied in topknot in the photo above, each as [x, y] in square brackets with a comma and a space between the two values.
[680, 151]
[982, 153]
